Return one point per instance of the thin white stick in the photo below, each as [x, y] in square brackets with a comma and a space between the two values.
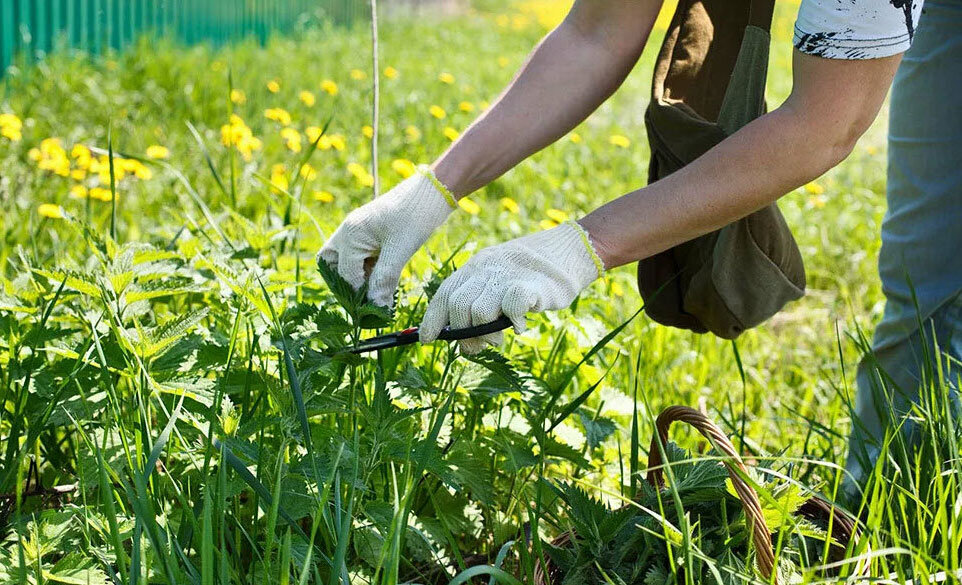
[375, 101]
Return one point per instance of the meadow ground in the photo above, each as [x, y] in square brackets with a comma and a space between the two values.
[167, 337]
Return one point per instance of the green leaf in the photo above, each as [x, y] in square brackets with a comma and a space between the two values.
[597, 430]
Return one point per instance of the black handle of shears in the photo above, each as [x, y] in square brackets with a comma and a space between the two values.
[500, 324]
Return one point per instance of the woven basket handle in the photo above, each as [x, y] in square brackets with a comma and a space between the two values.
[736, 469]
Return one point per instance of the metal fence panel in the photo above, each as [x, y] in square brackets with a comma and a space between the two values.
[32, 28]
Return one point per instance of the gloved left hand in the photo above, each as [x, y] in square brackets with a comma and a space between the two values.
[539, 272]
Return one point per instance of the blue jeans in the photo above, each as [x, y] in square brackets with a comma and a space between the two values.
[920, 263]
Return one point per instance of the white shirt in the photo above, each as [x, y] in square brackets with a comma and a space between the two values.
[856, 29]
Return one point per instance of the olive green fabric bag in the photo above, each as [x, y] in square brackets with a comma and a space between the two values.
[709, 81]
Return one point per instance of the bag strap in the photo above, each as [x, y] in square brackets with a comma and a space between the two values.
[760, 13]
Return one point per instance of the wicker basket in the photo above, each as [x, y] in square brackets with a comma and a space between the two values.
[816, 509]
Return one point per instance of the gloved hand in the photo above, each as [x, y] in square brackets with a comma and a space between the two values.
[389, 229]
[542, 271]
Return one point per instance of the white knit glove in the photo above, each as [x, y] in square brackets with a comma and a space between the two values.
[389, 229]
[539, 272]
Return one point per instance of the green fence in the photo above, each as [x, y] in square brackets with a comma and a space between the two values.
[32, 28]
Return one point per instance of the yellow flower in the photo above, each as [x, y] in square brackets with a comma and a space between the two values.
[438, 112]
[313, 133]
[403, 167]
[367, 131]
[469, 206]
[78, 174]
[237, 96]
[273, 86]
[11, 133]
[293, 139]
[78, 192]
[575, 137]
[101, 194]
[872, 150]
[337, 142]
[329, 86]
[307, 98]
[815, 188]
[10, 121]
[503, 20]
[324, 196]
[547, 224]
[358, 75]
[135, 167]
[51, 211]
[619, 141]
[446, 78]
[390, 72]
[451, 134]
[34, 154]
[278, 115]
[503, 62]
[360, 173]
[510, 205]
[485, 104]
[412, 133]
[308, 172]
[279, 178]
[817, 201]
[617, 289]
[466, 107]
[557, 216]
[239, 135]
[157, 151]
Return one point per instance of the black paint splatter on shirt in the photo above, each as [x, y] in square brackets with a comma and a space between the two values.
[906, 7]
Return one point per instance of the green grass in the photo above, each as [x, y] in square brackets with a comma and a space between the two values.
[170, 352]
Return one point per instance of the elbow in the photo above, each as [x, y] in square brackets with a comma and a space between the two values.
[824, 141]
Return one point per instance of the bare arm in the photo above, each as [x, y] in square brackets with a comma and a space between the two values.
[571, 72]
[831, 105]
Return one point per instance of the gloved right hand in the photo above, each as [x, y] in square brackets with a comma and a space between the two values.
[389, 229]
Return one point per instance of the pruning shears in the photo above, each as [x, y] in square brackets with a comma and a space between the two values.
[410, 335]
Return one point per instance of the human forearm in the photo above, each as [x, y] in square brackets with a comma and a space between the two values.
[571, 72]
[806, 136]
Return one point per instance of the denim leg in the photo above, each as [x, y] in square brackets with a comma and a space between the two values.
[889, 381]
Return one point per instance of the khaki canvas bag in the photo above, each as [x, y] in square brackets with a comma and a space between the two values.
[709, 81]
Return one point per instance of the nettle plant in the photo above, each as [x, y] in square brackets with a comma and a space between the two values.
[196, 406]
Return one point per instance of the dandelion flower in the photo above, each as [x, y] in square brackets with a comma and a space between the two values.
[547, 224]
[101, 194]
[78, 174]
[510, 205]
[466, 107]
[438, 112]
[557, 216]
[337, 142]
[815, 188]
[78, 192]
[313, 133]
[278, 115]
[485, 104]
[403, 167]
[293, 139]
[503, 62]
[619, 141]
[308, 172]
[469, 206]
[617, 289]
[329, 87]
[364, 178]
[324, 196]
[412, 133]
[307, 98]
[575, 137]
[50, 210]
[273, 86]
[34, 154]
[390, 72]
[817, 201]
[11, 127]
[358, 75]
[451, 134]
[156, 151]
[279, 178]
[367, 131]
[238, 97]
[446, 78]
